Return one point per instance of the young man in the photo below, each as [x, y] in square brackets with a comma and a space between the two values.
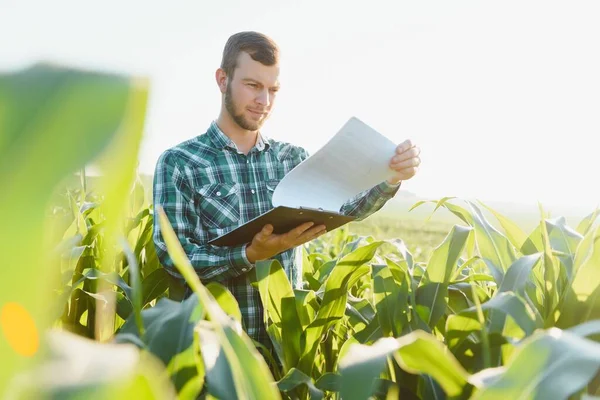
[214, 182]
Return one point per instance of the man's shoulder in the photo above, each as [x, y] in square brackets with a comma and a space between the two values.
[285, 150]
[195, 150]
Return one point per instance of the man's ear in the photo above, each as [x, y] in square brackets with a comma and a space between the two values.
[221, 78]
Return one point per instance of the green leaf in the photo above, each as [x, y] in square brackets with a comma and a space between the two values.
[585, 265]
[323, 272]
[585, 285]
[306, 306]
[138, 194]
[48, 111]
[432, 300]
[281, 316]
[459, 327]
[135, 274]
[551, 277]
[565, 240]
[517, 275]
[295, 378]
[361, 365]
[144, 237]
[444, 258]
[417, 353]
[509, 304]
[402, 249]
[134, 222]
[476, 278]
[549, 365]
[588, 328]
[154, 285]
[72, 258]
[534, 242]
[587, 223]
[251, 375]
[168, 326]
[390, 300]
[346, 272]
[329, 381]
[187, 370]
[359, 311]
[369, 334]
[492, 244]
[466, 265]
[114, 371]
[226, 300]
[422, 353]
[430, 389]
[442, 202]
[513, 232]
[219, 371]
[112, 278]
[124, 307]
[460, 212]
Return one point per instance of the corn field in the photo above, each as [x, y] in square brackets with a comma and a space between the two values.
[490, 312]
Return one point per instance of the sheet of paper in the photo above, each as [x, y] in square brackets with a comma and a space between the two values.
[355, 159]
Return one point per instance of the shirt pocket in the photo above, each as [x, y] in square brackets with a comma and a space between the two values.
[219, 205]
[270, 185]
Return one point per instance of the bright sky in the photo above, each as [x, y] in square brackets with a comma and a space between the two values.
[502, 97]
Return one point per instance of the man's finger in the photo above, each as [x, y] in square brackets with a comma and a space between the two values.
[406, 173]
[402, 147]
[410, 153]
[411, 162]
[299, 230]
[312, 233]
[265, 232]
[321, 233]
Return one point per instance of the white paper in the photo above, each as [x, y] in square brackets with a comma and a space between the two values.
[355, 159]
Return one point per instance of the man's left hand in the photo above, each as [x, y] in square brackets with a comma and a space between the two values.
[405, 162]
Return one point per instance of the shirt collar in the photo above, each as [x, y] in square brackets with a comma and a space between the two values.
[221, 140]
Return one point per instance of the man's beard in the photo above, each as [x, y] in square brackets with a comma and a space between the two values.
[239, 118]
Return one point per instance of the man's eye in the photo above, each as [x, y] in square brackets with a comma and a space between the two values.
[253, 85]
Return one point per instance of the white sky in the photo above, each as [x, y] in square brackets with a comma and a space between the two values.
[503, 97]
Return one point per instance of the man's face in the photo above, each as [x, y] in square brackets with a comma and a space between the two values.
[251, 92]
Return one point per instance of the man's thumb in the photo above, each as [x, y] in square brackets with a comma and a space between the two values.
[267, 229]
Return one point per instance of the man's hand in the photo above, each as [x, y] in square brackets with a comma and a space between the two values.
[405, 162]
[266, 244]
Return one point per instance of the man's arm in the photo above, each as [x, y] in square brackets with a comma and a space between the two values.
[370, 201]
[367, 202]
[172, 192]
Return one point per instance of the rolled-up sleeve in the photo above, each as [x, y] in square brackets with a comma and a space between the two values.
[370, 201]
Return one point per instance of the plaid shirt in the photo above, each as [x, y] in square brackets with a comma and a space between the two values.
[207, 188]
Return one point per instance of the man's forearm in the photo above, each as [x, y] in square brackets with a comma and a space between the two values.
[370, 201]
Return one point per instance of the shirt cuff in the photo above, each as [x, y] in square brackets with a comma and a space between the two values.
[386, 189]
[238, 259]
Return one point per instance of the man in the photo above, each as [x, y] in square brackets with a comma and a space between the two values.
[212, 183]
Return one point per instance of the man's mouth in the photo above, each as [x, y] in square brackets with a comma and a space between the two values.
[257, 113]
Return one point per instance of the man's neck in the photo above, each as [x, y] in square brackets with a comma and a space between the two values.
[243, 139]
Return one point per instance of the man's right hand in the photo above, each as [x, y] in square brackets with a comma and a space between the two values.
[266, 244]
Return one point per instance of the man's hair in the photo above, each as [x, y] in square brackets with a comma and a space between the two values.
[260, 47]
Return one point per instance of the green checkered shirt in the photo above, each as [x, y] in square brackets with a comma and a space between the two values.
[207, 188]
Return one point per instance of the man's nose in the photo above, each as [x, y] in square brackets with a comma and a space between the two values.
[264, 98]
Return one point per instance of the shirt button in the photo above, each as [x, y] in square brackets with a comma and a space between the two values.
[244, 269]
[252, 191]
[218, 193]
[247, 161]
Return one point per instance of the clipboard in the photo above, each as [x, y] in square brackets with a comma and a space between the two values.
[355, 160]
[283, 220]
